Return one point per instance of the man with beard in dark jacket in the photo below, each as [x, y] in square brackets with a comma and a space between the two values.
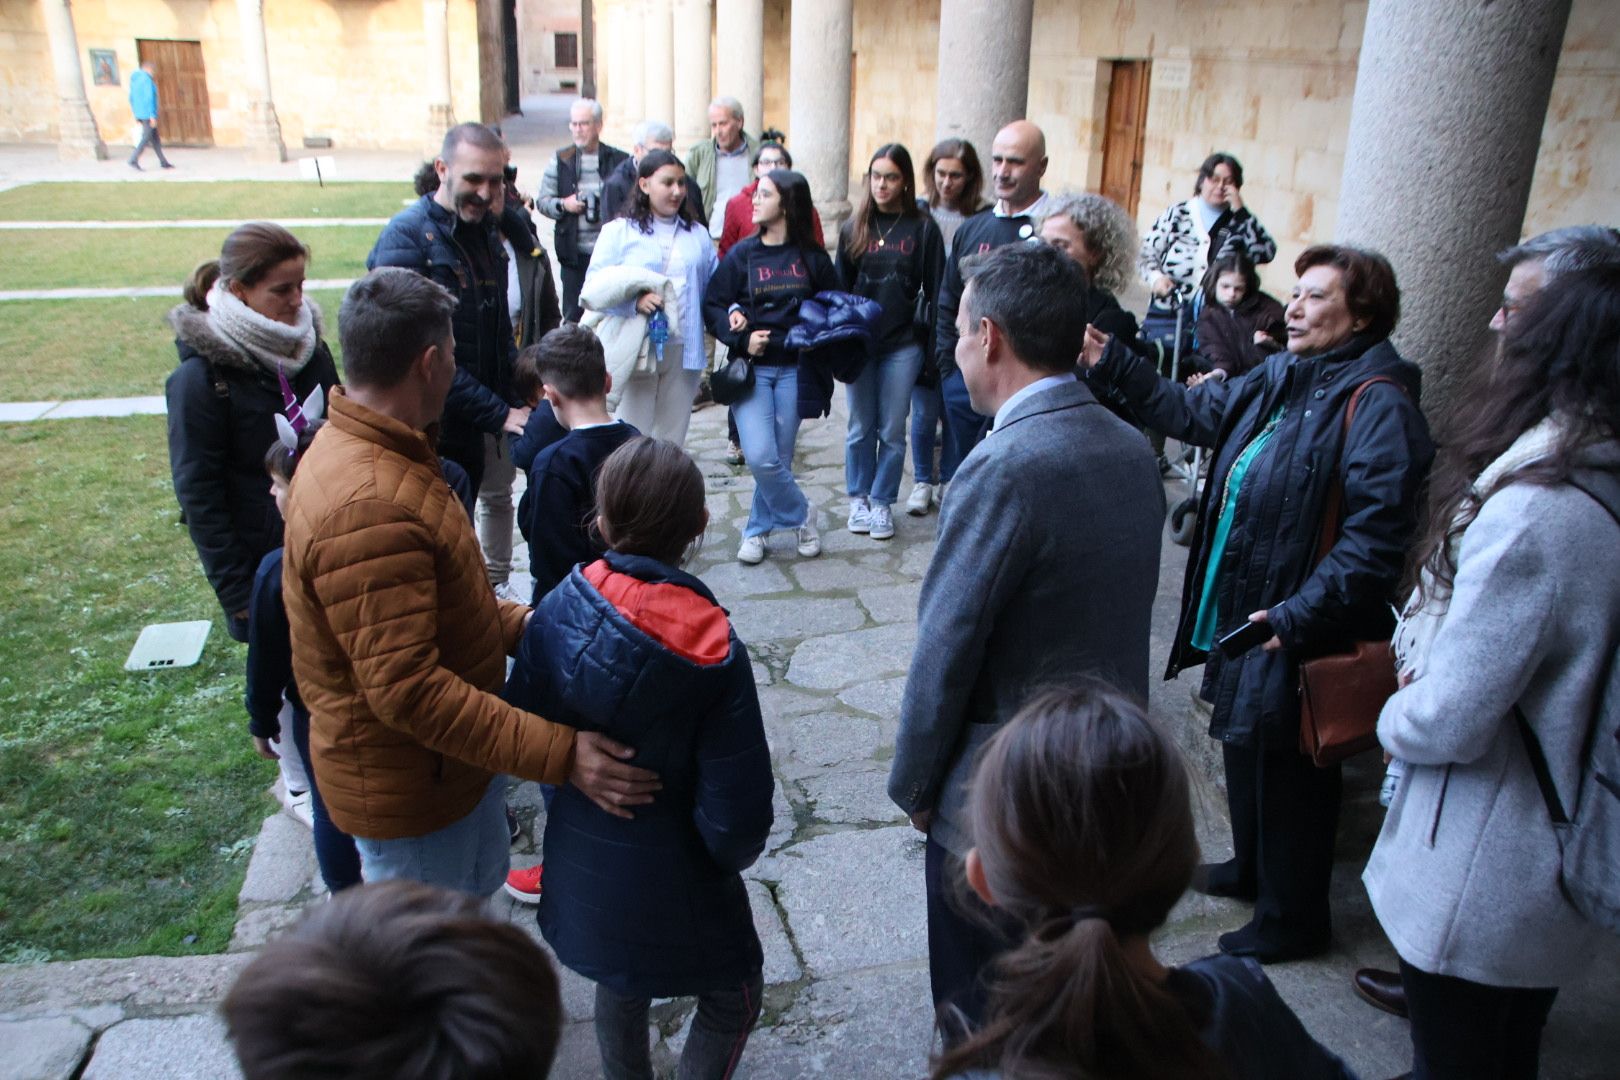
[452, 237]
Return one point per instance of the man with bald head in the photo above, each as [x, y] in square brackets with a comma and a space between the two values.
[1017, 164]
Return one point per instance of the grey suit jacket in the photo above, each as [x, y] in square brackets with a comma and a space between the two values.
[1045, 570]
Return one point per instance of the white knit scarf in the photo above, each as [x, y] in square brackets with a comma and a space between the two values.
[274, 345]
[1418, 624]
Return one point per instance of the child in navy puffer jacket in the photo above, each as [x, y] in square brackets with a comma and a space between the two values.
[653, 905]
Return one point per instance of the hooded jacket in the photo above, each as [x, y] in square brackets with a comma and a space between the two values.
[1270, 559]
[654, 905]
[399, 644]
[222, 406]
[834, 338]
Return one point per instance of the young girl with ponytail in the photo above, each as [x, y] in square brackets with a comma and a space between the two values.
[1084, 824]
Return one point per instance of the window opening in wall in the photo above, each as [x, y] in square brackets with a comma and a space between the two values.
[567, 50]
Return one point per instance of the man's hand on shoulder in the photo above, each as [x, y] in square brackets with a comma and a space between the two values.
[599, 771]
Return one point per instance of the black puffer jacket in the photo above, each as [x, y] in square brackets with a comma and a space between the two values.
[422, 238]
[222, 408]
[1271, 551]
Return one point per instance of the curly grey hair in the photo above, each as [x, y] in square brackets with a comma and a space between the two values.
[1109, 231]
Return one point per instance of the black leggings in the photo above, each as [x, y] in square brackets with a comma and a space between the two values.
[1470, 1031]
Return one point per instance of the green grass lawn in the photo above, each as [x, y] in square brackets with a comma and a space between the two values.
[128, 802]
[112, 258]
[171, 200]
[118, 347]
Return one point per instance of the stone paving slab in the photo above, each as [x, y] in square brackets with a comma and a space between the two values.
[284, 860]
[18, 412]
[49, 1049]
[153, 405]
[192, 223]
[136, 291]
[830, 887]
[177, 1048]
[874, 1024]
[837, 661]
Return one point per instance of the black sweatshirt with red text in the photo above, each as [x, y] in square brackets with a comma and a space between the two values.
[768, 283]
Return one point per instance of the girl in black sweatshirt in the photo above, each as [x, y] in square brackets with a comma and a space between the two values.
[891, 252]
[751, 303]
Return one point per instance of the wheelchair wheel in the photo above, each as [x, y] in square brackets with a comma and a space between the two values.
[1183, 519]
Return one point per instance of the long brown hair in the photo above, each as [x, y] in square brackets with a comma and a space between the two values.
[1560, 354]
[249, 253]
[858, 230]
[972, 185]
[1082, 814]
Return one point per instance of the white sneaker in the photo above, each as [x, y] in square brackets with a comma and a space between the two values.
[506, 591]
[939, 494]
[809, 539]
[922, 497]
[860, 515]
[882, 522]
[752, 551]
[296, 804]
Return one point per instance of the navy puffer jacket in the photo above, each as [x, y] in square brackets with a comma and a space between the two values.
[1270, 559]
[652, 906]
[421, 237]
[834, 337]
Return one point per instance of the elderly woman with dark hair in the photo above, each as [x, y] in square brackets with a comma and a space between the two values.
[1281, 452]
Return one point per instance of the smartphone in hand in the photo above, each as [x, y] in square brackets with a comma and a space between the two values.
[1234, 643]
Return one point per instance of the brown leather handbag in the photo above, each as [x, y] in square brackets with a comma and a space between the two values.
[1341, 695]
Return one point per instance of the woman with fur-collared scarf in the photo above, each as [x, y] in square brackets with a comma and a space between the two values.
[245, 323]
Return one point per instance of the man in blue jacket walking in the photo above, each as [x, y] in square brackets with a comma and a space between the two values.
[143, 103]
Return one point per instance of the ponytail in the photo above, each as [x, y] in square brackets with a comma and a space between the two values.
[199, 284]
[1083, 820]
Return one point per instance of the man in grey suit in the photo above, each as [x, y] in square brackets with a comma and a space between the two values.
[1045, 571]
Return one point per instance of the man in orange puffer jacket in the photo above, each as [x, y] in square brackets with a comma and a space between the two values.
[399, 643]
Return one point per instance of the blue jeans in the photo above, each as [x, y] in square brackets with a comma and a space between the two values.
[875, 452]
[925, 410]
[471, 855]
[768, 422]
[335, 852]
[719, 1032]
[963, 427]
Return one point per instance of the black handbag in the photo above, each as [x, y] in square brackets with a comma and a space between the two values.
[733, 382]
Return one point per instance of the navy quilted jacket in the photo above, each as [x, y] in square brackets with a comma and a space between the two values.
[421, 237]
[652, 906]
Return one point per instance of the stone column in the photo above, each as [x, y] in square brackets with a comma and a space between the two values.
[631, 97]
[690, 117]
[263, 129]
[1444, 130]
[77, 138]
[587, 50]
[441, 116]
[740, 58]
[658, 41]
[983, 69]
[822, 44]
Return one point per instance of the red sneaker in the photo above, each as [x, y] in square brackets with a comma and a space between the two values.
[524, 885]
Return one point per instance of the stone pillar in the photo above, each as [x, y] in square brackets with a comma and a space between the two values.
[693, 73]
[822, 43]
[1444, 130]
[263, 129]
[983, 69]
[441, 116]
[631, 97]
[658, 43]
[587, 51]
[740, 58]
[77, 138]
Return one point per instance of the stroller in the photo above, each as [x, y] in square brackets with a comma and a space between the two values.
[1187, 465]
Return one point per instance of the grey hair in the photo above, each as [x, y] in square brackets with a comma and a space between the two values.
[654, 130]
[596, 107]
[1109, 231]
[1036, 295]
[388, 317]
[1577, 247]
[730, 104]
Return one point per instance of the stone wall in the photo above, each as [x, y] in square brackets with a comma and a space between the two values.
[539, 22]
[349, 69]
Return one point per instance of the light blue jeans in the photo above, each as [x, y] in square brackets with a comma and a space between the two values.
[925, 409]
[471, 855]
[768, 422]
[875, 451]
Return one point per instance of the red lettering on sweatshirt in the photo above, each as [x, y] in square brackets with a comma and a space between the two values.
[766, 273]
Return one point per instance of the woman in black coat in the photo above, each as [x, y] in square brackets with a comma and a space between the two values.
[1279, 447]
[245, 325]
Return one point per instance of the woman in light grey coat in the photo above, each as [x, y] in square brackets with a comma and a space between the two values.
[1517, 604]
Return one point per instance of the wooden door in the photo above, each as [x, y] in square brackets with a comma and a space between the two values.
[182, 86]
[1125, 133]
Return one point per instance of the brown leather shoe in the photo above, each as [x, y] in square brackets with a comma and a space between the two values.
[1381, 990]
